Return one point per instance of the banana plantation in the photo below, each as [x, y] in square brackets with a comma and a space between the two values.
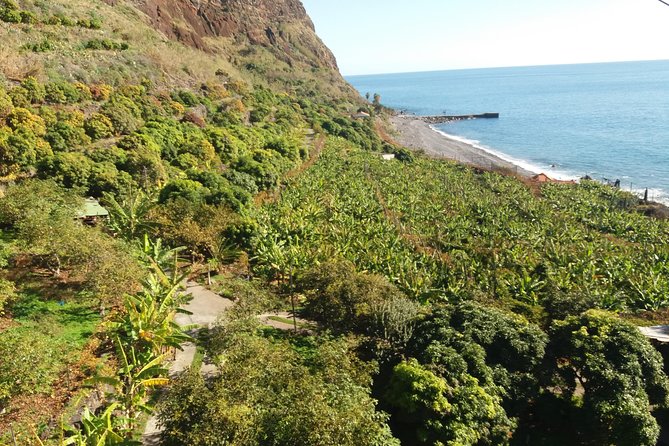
[444, 231]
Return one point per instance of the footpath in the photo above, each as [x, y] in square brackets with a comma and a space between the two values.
[206, 307]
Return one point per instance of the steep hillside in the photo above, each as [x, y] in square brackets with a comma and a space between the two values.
[172, 43]
[283, 25]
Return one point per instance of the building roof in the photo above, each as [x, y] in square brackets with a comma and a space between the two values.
[92, 208]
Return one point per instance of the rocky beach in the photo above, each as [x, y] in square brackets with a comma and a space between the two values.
[414, 133]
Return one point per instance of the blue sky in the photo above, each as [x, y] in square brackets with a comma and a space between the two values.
[391, 36]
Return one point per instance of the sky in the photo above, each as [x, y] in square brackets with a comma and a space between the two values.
[395, 36]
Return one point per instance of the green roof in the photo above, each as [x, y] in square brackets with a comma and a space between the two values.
[92, 208]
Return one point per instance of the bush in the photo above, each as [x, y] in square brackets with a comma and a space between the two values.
[40, 47]
[124, 114]
[101, 92]
[70, 169]
[65, 137]
[19, 97]
[7, 294]
[6, 105]
[265, 176]
[105, 44]
[343, 299]
[10, 16]
[62, 93]
[242, 180]
[189, 190]
[94, 23]
[99, 126]
[25, 119]
[17, 151]
[33, 367]
[28, 17]
[84, 91]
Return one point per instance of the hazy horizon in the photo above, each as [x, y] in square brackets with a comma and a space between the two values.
[392, 36]
[509, 66]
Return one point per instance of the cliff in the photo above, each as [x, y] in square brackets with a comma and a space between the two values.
[282, 24]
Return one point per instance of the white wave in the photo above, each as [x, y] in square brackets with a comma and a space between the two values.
[523, 164]
[654, 194]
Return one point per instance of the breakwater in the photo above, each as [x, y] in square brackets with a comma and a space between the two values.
[442, 119]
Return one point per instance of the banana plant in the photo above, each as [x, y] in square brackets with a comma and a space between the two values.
[128, 217]
[133, 382]
[98, 430]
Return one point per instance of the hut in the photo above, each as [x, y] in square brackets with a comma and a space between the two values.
[92, 211]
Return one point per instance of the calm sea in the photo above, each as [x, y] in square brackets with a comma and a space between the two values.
[608, 121]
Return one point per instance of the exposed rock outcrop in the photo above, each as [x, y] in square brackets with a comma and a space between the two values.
[282, 24]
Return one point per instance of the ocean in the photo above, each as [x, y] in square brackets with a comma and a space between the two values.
[609, 121]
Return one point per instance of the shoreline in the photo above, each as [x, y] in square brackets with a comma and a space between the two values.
[416, 134]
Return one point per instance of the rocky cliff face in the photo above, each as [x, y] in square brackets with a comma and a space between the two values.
[281, 24]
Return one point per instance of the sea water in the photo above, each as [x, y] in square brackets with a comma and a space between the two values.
[608, 121]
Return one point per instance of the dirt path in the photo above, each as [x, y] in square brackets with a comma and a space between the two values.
[206, 307]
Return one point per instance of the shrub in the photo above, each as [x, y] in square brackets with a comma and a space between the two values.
[10, 16]
[33, 367]
[19, 97]
[35, 90]
[264, 175]
[62, 93]
[242, 180]
[123, 113]
[6, 105]
[7, 294]
[101, 92]
[99, 126]
[84, 91]
[17, 151]
[105, 44]
[40, 47]
[71, 169]
[28, 17]
[194, 118]
[61, 19]
[93, 23]
[190, 190]
[24, 118]
[176, 108]
[187, 98]
[65, 136]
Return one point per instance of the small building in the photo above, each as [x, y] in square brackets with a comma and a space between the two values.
[92, 211]
[387, 156]
[543, 178]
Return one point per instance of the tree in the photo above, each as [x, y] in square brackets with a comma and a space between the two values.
[322, 399]
[343, 300]
[434, 410]
[614, 371]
